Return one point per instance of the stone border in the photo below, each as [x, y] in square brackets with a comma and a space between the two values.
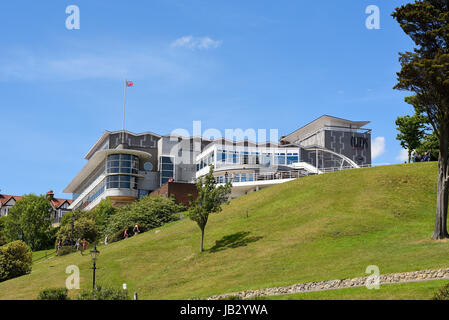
[413, 276]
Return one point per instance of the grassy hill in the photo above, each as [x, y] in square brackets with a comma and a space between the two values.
[323, 227]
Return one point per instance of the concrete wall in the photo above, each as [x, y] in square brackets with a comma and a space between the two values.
[354, 145]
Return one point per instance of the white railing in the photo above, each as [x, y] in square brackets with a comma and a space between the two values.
[333, 169]
[267, 176]
[282, 175]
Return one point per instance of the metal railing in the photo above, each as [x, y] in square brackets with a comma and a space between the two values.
[334, 169]
[265, 176]
[282, 175]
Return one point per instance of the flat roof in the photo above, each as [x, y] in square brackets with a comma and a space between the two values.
[322, 122]
[107, 133]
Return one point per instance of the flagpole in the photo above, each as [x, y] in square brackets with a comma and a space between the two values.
[124, 109]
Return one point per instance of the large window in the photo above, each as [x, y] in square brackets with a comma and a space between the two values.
[167, 169]
[121, 182]
[122, 163]
[292, 158]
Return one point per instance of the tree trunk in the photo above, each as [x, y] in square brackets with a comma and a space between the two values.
[440, 231]
[202, 239]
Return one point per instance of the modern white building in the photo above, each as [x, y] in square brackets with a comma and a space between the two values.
[124, 166]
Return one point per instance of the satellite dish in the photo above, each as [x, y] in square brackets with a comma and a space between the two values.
[148, 166]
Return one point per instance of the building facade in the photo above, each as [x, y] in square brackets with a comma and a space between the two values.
[124, 166]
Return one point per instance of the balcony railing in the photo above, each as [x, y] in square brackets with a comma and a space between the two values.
[282, 175]
[266, 176]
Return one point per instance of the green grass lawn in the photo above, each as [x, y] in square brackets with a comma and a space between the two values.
[403, 291]
[316, 228]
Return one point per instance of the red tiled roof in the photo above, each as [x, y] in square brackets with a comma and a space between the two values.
[56, 203]
[4, 198]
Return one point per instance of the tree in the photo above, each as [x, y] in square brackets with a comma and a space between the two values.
[3, 239]
[102, 212]
[411, 131]
[425, 72]
[430, 144]
[29, 220]
[210, 199]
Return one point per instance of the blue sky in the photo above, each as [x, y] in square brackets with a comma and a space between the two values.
[231, 64]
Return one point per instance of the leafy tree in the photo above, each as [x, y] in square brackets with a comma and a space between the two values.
[425, 72]
[3, 239]
[210, 199]
[29, 220]
[102, 212]
[430, 144]
[411, 131]
[15, 260]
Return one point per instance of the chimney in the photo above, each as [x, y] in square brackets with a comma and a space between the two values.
[50, 195]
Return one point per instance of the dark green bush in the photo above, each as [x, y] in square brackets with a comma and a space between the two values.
[53, 294]
[103, 293]
[442, 293]
[83, 228]
[15, 260]
[149, 213]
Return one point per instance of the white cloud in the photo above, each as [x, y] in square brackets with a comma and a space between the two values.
[378, 147]
[403, 155]
[138, 63]
[193, 43]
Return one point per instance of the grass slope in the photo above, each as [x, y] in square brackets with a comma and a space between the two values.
[323, 227]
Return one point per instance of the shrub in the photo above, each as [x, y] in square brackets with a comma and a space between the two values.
[148, 212]
[442, 293]
[83, 228]
[53, 294]
[103, 293]
[15, 260]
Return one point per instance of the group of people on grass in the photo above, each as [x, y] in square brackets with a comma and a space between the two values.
[136, 231]
[81, 245]
[421, 158]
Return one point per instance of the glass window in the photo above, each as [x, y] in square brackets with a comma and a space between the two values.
[122, 163]
[121, 181]
[292, 158]
[243, 179]
[236, 178]
[168, 169]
